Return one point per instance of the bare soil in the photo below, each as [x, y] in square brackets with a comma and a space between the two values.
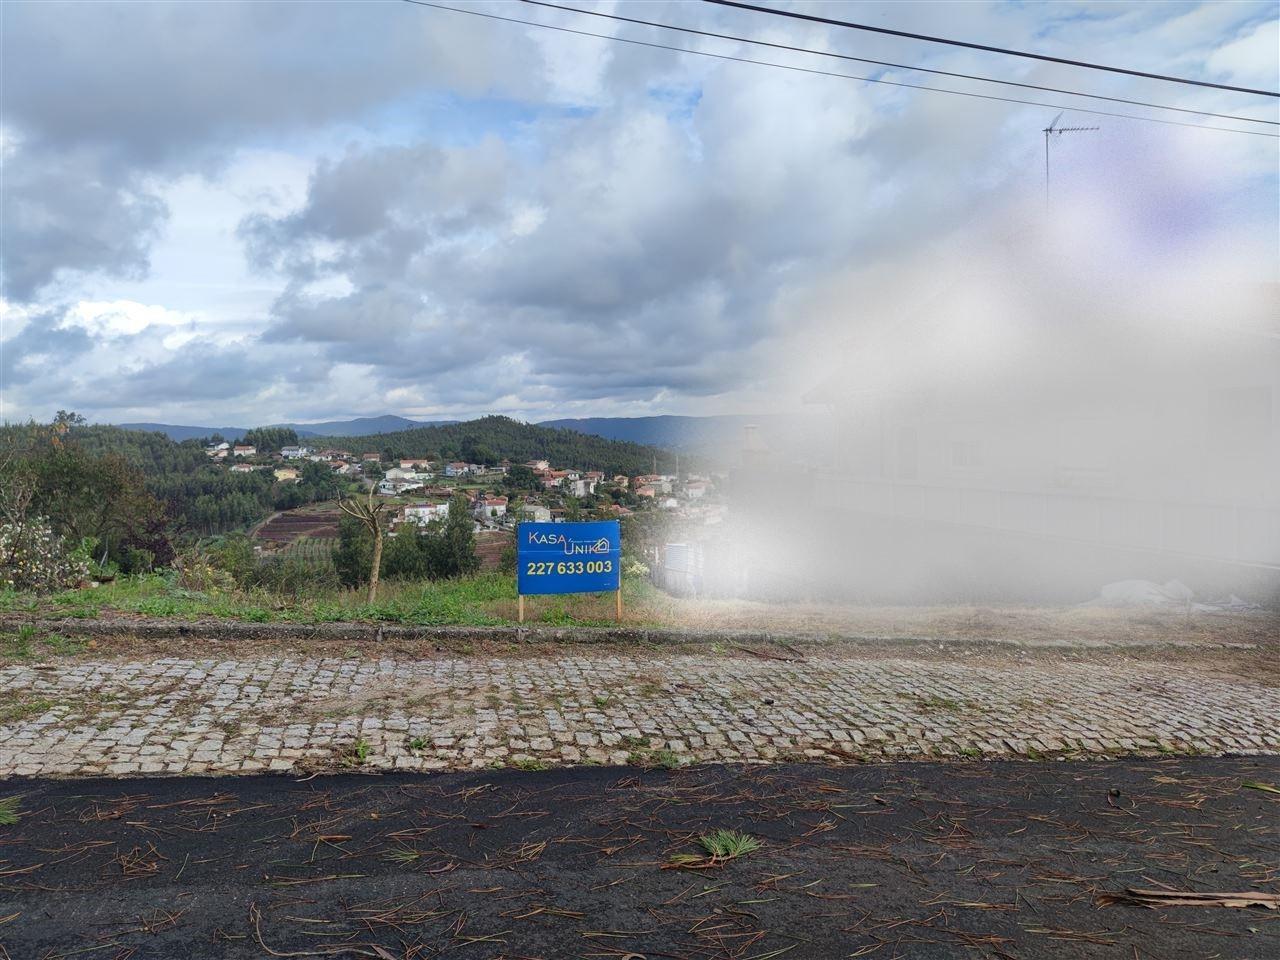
[1018, 861]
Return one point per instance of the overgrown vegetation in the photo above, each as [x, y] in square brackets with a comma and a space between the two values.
[485, 599]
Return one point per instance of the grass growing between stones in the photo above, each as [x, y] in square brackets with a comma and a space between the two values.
[14, 712]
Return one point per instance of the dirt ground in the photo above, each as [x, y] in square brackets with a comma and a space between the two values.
[999, 860]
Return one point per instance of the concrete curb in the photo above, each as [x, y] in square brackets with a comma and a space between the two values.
[352, 631]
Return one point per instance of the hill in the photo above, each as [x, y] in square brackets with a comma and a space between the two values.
[491, 439]
[719, 438]
[360, 426]
[178, 432]
[357, 427]
[670, 432]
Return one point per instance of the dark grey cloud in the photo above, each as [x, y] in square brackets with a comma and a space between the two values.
[199, 371]
[38, 353]
[71, 212]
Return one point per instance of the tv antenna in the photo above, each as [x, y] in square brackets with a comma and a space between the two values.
[1051, 129]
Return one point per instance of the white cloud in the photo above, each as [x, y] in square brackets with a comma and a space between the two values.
[452, 215]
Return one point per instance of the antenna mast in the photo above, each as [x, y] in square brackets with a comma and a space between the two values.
[1054, 128]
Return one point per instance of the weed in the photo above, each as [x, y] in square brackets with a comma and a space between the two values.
[417, 743]
[18, 645]
[14, 712]
[360, 751]
[64, 645]
[529, 763]
[602, 701]
[667, 759]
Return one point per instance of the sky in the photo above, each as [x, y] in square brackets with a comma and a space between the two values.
[233, 214]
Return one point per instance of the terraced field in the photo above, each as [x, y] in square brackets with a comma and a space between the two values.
[318, 521]
[317, 550]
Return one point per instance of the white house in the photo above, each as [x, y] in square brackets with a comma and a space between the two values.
[490, 508]
[423, 513]
[395, 487]
[245, 450]
[295, 453]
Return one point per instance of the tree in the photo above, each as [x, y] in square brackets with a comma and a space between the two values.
[369, 512]
[406, 556]
[270, 439]
[520, 477]
[457, 556]
[318, 481]
[352, 554]
[94, 496]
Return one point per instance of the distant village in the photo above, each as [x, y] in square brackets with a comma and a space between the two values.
[537, 491]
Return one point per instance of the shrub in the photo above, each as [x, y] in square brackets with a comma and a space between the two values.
[197, 572]
[34, 558]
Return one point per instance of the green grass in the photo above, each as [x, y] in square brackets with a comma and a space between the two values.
[487, 599]
[13, 712]
[360, 751]
[644, 757]
[529, 764]
[19, 645]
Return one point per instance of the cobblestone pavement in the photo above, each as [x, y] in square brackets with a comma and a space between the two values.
[172, 716]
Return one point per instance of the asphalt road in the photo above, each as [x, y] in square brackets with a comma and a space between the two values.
[887, 860]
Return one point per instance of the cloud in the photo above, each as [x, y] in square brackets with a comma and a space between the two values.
[380, 207]
[71, 212]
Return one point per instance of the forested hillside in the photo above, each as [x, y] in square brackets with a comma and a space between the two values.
[491, 439]
[136, 493]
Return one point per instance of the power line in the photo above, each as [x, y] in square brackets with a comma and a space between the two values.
[899, 66]
[982, 46]
[830, 73]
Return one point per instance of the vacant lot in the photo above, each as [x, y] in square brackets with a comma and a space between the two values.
[901, 860]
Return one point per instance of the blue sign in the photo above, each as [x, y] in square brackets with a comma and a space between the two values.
[568, 557]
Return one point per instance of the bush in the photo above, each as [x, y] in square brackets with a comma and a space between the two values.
[295, 576]
[197, 572]
[34, 558]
